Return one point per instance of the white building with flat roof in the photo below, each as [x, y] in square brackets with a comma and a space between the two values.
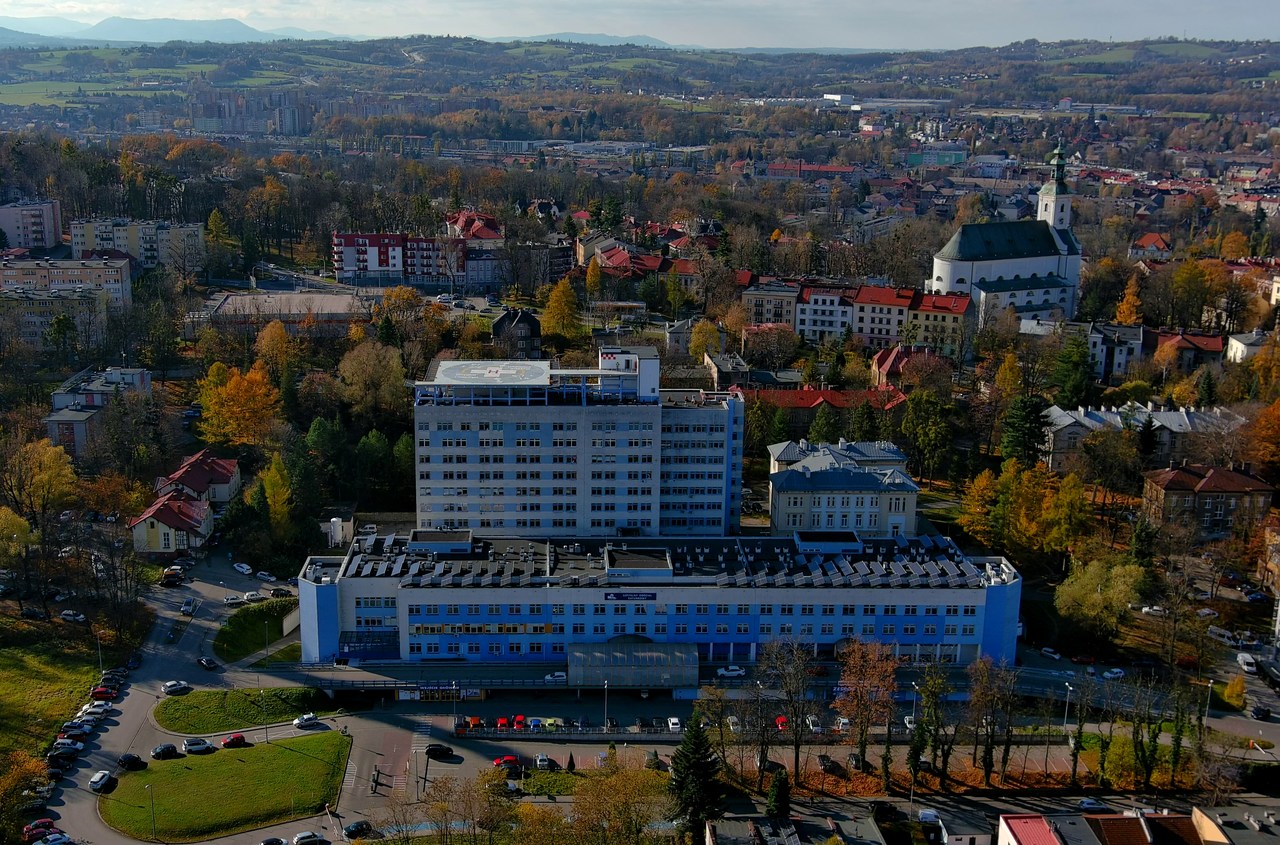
[526, 447]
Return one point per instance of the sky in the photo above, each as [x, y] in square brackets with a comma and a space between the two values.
[872, 24]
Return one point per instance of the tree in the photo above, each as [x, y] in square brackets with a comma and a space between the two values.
[1264, 440]
[704, 338]
[561, 315]
[275, 349]
[979, 499]
[867, 685]
[1009, 376]
[1067, 516]
[695, 784]
[772, 347]
[1098, 591]
[825, 427]
[926, 431]
[1235, 245]
[864, 422]
[371, 382]
[1023, 436]
[240, 410]
[1073, 374]
[593, 279]
[1129, 311]
[276, 486]
[778, 803]
[783, 668]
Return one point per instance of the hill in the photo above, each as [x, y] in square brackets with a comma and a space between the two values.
[162, 30]
[14, 38]
[599, 39]
[43, 25]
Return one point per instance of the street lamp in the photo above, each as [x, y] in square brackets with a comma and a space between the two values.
[914, 696]
[1207, 701]
[455, 702]
[97, 636]
[606, 703]
[1067, 709]
[223, 585]
[153, 811]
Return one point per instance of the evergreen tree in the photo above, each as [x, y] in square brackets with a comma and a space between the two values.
[1073, 374]
[1023, 437]
[386, 334]
[778, 803]
[825, 427]
[1142, 542]
[864, 423]
[780, 427]
[1147, 439]
[759, 425]
[1207, 388]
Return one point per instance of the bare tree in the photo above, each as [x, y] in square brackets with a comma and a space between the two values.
[785, 666]
[399, 818]
[713, 705]
[867, 685]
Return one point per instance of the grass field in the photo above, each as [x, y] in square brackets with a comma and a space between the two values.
[291, 653]
[229, 790]
[219, 711]
[251, 629]
[46, 669]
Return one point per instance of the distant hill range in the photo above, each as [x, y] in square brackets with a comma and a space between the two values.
[597, 38]
[51, 31]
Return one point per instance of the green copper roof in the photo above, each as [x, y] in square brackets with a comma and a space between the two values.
[996, 241]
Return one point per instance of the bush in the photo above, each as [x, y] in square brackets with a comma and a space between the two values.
[1233, 695]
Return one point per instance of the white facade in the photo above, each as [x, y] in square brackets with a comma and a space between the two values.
[522, 447]
[32, 225]
[823, 314]
[1242, 347]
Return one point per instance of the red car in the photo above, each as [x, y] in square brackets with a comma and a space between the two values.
[234, 741]
[781, 723]
[518, 724]
[1084, 659]
[503, 723]
[507, 760]
[103, 694]
[38, 824]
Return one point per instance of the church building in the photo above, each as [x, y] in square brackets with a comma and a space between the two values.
[1032, 266]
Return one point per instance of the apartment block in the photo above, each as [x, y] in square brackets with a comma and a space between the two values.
[152, 243]
[30, 314]
[508, 447]
[111, 276]
[32, 225]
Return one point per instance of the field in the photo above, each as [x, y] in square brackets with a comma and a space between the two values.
[46, 670]
[228, 790]
[220, 711]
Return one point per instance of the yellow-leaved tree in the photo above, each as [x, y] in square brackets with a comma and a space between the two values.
[279, 494]
[704, 338]
[561, 316]
[1129, 311]
[240, 409]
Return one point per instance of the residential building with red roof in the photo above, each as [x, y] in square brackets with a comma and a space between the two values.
[1026, 829]
[1153, 246]
[203, 477]
[174, 524]
[803, 405]
[881, 313]
[1213, 501]
[1194, 347]
[941, 321]
[887, 363]
[474, 226]
[823, 313]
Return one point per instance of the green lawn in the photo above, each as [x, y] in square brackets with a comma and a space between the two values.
[291, 653]
[219, 711]
[251, 629]
[229, 790]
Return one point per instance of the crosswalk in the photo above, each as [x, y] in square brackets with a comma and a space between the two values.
[421, 734]
[349, 778]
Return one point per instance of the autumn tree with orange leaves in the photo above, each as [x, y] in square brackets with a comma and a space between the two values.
[240, 409]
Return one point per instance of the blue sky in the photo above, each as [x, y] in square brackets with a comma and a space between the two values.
[877, 24]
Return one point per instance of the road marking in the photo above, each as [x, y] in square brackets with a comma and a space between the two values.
[421, 735]
[349, 779]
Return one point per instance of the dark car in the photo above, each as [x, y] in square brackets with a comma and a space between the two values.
[35, 805]
[35, 613]
[437, 751]
[134, 661]
[60, 755]
[1262, 714]
[207, 664]
[827, 765]
[164, 752]
[274, 840]
[130, 762]
[359, 829]
[280, 593]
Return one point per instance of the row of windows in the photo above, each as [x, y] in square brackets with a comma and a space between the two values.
[643, 609]
[827, 629]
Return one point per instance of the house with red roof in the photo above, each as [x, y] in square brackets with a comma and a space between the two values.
[880, 314]
[1194, 347]
[203, 477]
[1213, 501]
[174, 524]
[1153, 246]
[473, 225]
[941, 321]
[803, 405]
[887, 364]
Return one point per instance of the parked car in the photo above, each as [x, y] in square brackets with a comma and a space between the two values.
[361, 829]
[556, 677]
[1261, 713]
[254, 596]
[730, 672]
[813, 724]
[76, 734]
[1051, 653]
[129, 762]
[69, 743]
[734, 724]
[164, 751]
[780, 723]
[506, 760]
[72, 616]
[35, 613]
[1154, 610]
[306, 720]
[100, 781]
[206, 664]
[1207, 613]
[1092, 805]
[188, 607]
[437, 751]
[242, 568]
[307, 837]
[196, 745]
[263, 575]
[175, 687]
[280, 593]
[673, 724]
[1084, 659]
[234, 601]
[827, 765]
[1113, 674]
[542, 762]
[234, 741]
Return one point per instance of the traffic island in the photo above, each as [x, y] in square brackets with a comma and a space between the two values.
[204, 796]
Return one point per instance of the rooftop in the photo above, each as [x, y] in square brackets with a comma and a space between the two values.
[998, 241]
[813, 560]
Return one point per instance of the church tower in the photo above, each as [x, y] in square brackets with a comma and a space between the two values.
[1054, 202]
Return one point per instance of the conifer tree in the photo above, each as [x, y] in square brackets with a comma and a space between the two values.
[778, 803]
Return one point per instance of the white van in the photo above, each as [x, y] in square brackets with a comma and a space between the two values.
[1222, 635]
[1247, 663]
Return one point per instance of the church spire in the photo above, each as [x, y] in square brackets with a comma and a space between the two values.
[1054, 205]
